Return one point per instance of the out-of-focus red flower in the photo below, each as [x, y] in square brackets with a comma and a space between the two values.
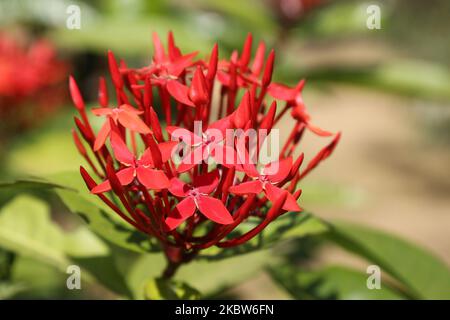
[29, 79]
[171, 200]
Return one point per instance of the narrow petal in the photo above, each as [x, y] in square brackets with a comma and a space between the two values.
[243, 113]
[130, 109]
[125, 176]
[282, 92]
[152, 178]
[101, 136]
[198, 92]
[102, 187]
[183, 210]
[214, 210]
[179, 92]
[254, 187]
[146, 159]
[160, 55]
[208, 182]
[258, 62]
[178, 188]
[274, 193]
[101, 111]
[121, 150]
[133, 122]
[180, 64]
[278, 170]
[320, 132]
[167, 148]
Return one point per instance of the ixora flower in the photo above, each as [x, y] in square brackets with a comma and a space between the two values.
[195, 204]
[30, 82]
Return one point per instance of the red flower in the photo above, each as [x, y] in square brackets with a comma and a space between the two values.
[143, 168]
[293, 96]
[210, 143]
[196, 197]
[126, 115]
[172, 203]
[266, 180]
[30, 82]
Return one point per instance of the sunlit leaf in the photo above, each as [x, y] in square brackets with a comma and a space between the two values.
[422, 274]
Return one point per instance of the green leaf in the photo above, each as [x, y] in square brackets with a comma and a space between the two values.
[99, 217]
[333, 282]
[26, 229]
[163, 289]
[290, 225]
[423, 275]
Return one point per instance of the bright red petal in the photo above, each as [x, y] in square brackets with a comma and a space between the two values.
[208, 182]
[214, 210]
[167, 148]
[133, 122]
[125, 177]
[101, 111]
[183, 210]
[319, 131]
[258, 62]
[160, 55]
[130, 109]
[281, 92]
[278, 170]
[254, 186]
[274, 193]
[180, 64]
[121, 150]
[152, 178]
[146, 159]
[178, 188]
[179, 92]
[102, 135]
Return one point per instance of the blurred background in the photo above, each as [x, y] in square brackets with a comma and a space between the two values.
[387, 90]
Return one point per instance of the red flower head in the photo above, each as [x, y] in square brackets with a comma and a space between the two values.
[30, 82]
[170, 200]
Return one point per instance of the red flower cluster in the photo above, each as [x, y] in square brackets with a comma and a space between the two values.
[135, 152]
[28, 79]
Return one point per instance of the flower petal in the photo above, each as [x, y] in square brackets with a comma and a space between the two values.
[102, 135]
[147, 159]
[318, 131]
[208, 182]
[278, 170]
[130, 109]
[101, 111]
[179, 92]
[282, 92]
[181, 63]
[254, 186]
[214, 210]
[132, 121]
[178, 188]
[274, 193]
[167, 148]
[183, 210]
[121, 150]
[152, 178]
[125, 177]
